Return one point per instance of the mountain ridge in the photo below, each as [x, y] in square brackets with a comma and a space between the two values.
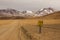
[12, 13]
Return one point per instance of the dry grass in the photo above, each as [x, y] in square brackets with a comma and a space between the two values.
[52, 21]
[13, 26]
[5, 22]
[31, 21]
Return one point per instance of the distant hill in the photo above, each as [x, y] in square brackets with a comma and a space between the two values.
[55, 15]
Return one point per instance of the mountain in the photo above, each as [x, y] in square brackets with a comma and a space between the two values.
[44, 11]
[27, 13]
[38, 13]
[8, 12]
[12, 13]
[55, 15]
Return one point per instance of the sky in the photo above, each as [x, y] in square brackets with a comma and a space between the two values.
[29, 4]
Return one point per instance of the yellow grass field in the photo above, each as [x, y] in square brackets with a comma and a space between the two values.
[9, 29]
[30, 21]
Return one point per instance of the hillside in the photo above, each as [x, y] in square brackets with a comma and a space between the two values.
[55, 15]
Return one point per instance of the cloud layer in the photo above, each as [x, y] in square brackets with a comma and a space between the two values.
[29, 4]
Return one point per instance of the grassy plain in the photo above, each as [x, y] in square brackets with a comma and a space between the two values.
[10, 29]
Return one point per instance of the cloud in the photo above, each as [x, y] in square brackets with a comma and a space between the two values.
[55, 4]
[29, 4]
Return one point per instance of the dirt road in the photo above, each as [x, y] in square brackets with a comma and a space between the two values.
[9, 31]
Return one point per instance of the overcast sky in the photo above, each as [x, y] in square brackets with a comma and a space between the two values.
[29, 4]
